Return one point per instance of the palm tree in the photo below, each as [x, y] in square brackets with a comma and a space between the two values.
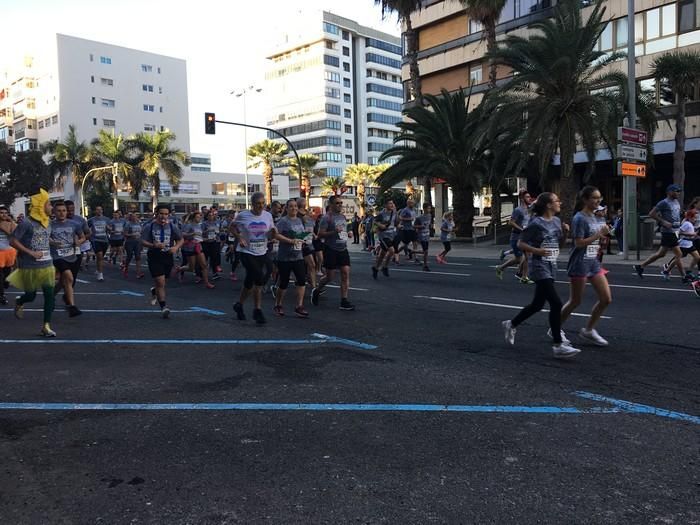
[69, 160]
[332, 186]
[113, 149]
[441, 140]
[267, 153]
[154, 153]
[679, 72]
[308, 164]
[487, 12]
[361, 176]
[559, 89]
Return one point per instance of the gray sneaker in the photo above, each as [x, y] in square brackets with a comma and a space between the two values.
[564, 339]
[564, 351]
[509, 332]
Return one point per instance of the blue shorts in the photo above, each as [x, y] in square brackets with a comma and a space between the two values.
[517, 252]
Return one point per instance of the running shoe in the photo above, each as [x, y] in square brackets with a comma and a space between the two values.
[666, 268]
[240, 314]
[165, 312]
[100, 277]
[233, 277]
[3, 300]
[639, 269]
[518, 276]
[502, 256]
[564, 339]
[426, 268]
[688, 279]
[375, 272]
[218, 269]
[592, 336]
[74, 311]
[46, 331]
[301, 312]
[315, 294]
[258, 316]
[509, 332]
[19, 309]
[665, 274]
[154, 299]
[385, 271]
[278, 310]
[564, 351]
[439, 259]
[273, 291]
[216, 276]
[197, 280]
[346, 305]
[499, 273]
[526, 280]
[696, 287]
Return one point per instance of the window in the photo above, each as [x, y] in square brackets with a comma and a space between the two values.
[384, 90]
[160, 90]
[92, 57]
[331, 60]
[162, 128]
[346, 35]
[106, 81]
[332, 92]
[330, 44]
[385, 61]
[148, 107]
[475, 74]
[348, 128]
[328, 156]
[306, 128]
[331, 76]
[92, 79]
[147, 87]
[275, 190]
[47, 122]
[346, 51]
[385, 46]
[149, 127]
[159, 71]
[41, 124]
[688, 15]
[347, 98]
[333, 172]
[105, 60]
[384, 104]
[93, 100]
[384, 119]
[346, 67]
[377, 146]
[108, 123]
[348, 144]
[653, 21]
[347, 113]
[54, 119]
[94, 122]
[475, 26]
[331, 28]
[317, 142]
[668, 20]
[108, 102]
[160, 109]
[348, 159]
[621, 34]
[146, 68]
[346, 82]
[333, 109]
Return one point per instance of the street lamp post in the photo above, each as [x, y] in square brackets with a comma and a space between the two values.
[112, 167]
[629, 184]
[242, 93]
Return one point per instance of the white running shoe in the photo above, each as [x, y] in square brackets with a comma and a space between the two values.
[564, 351]
[100, 277]
[509, 332]
[592, 336]
[564, 339]
[153, 299]
[165, 312]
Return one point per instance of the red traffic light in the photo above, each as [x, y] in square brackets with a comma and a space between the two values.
[209, 123]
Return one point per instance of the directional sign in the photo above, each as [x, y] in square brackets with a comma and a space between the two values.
[636, 153]
[630, 169]
[371, 200]
[631, 135]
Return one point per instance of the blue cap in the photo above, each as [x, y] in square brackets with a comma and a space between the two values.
[674, 187]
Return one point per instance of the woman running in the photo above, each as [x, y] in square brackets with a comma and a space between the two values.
[192, 249]
[542, 239]
[587, 232]
[291, 233]
[211, 244]
[446, 229]
[8, 255]
[132, 245]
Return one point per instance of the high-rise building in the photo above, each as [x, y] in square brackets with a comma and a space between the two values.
[335, 91]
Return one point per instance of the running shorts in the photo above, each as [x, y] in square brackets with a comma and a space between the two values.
[160, 263]
[116, 243]
[517, 252]
[334, 259]
[669, 240]
[100, 246]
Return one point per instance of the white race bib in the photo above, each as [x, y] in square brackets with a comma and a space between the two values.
[257, 246]
[309, 239]
[45, 256]
[552, 252]
[592, 250]
[85, 247]
[65, 252]
[297, 245]
[343, 235]
[211, 236]
[197, 238]
[275, 246]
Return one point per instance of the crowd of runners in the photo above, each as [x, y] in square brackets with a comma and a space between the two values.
[274, 244]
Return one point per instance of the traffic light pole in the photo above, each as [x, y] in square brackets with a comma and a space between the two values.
[273, 131]
[629, 184]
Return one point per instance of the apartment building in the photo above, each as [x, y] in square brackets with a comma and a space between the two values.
[335, 90]
[451, 51]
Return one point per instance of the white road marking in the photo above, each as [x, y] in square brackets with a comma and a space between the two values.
[639, 287]
[351, 288]
[433, 272]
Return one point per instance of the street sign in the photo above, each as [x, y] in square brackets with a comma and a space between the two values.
[371, 200]
[631, 135]
[631, 169]
[635, 153]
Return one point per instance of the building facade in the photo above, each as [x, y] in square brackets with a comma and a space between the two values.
[335, 91]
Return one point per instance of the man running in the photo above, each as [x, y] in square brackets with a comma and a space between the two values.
[422, 225]
[667, 214]
[99, 226]
[162, 240]
[518, 222]
[132, 244]
[407, 232]
[116, 237]
[385, 223]
[65, 240]
[333, 231]
[86, 246]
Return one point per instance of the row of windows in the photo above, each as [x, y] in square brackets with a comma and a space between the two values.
[329, 156]
[333, 109]
[385, 46]
[293, 68]
[235, 189]
[146, 68]
[384, 104]
[386, 61]
[373, 73]
[384, 119]
[306, 128]
[331, 60]
[332, 92]
[376, 146]
[381, 133]
[47, 122]
[317, 142]
[384, 90]
[111, 123]
[335, 30]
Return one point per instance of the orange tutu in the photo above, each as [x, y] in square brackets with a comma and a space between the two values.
[8, 258]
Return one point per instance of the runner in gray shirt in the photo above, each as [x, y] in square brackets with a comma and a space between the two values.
[385, 222]
[290, 259]
[66, 238]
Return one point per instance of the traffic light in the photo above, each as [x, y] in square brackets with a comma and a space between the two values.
[209, 123]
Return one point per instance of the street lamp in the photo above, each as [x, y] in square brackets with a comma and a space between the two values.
[242, 93]
[114, 167]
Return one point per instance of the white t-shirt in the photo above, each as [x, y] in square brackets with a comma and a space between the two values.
[254, 229]
[686, 227]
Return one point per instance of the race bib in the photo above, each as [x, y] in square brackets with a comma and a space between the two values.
[275, 246]
[231, 238]
[85, 247]
[45, 256]
[197, 238]
[297, 245]
[66, 252]
[343, 236]
[448, 236]
[257, 245]
[592, 251]
[211, 236]
[552, 252]
[99, 228]
[309, 239]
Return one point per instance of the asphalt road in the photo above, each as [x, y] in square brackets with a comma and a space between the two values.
[411, 410]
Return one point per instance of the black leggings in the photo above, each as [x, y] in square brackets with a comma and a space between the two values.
[447, 245]
[133, 251]
[4, 272]
[286, 268]
[212, 251]
[254, 270]
[544, 291]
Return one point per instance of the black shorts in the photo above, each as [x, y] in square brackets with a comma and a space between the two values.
[386, 244]
[306, 250]
[100, 246]
[333, 259]
[318, 245]
[62, 265]
[669, 240]
[286, 268]
[116, 243]
[686, 251]
[424, 245]
[408, 236]
[160, 263]
[255, 269]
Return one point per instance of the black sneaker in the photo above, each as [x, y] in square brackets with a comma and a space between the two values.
[74, 311]
[240, 314]
[258, 316]
[375, 272]
[385, 271]
[426, 268]
[216, 277]
[639, 269]
[315, 294]
[346, 305]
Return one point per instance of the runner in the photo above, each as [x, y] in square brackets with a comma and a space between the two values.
[307, 247]
[667, 213]
[132, 245]
[253, 228]
[542, 239]
[8, 255]
[385, 222]
[193, 251]
[116, 238]
[86, 247]
[333, 231]
[162, 240]
[518, 222]
[65, 240]
[407, 232]
[446, 229]
[211, 244]
[98, 226]
[35, 268]
[689, 242]
[291, 235]
[318, 247]
[587, 232]
[422, 225]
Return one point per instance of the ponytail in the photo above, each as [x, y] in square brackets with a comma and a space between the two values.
[540, 205]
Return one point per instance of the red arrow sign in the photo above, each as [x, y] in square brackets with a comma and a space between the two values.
[634, 136]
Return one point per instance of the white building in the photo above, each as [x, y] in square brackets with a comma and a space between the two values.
[336, 89]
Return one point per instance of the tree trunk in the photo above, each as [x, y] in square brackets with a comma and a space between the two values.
[495, 210]
[307, 191]
[463, 201]
[412, 55]
[490, 28]
[427, 190]
[679, 152]
[267, 175]
[155, 190]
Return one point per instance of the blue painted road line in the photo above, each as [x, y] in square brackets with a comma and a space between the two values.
[129, 292]
[191, 310]
[178, 342]
[347, 342]
[636, 408]
[206, 310]
[323, 407]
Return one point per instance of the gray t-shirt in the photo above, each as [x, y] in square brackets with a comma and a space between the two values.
[98, 227]
[407, 216]
[210, 230]
[446, 236]
[583, 262]
[194, 231]
[80, 221]
[4, 242]
[168, 234]
[521, 217]
[116, 229]
[669, 210]
[422, 224]
[63, 234]
[133, 229]
[335, 222]
[388, 218]
[34, 236]
[543, 233]
[292, 229]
